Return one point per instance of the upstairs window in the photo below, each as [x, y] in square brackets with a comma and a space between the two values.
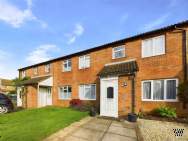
[118, 52]
[47, 68]
[65, 92]
[160, 90]
[35, 70]
[84, 62]
[153, 46]
[67, 65]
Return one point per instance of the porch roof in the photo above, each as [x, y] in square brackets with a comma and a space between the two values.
[126, 68]
[35, 80]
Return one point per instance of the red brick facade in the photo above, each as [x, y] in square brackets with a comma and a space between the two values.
[169, 65]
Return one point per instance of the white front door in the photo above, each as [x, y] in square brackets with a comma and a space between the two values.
[109, 97]
[44, 96]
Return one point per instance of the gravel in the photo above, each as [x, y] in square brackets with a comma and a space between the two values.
[152, 130]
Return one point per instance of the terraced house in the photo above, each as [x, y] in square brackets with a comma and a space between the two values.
[137, 73]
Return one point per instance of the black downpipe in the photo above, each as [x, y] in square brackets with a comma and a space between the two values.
[133, 94]
[184, 53]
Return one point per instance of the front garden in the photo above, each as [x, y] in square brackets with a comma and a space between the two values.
[36, 124]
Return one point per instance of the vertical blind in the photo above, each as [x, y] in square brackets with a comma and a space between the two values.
[153, 46]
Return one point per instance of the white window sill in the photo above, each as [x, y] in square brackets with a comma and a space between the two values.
[66, 70]
[153, 55]
[65, 99]
[83, 68]
[118, 57]
[88, 99]
[166, 100]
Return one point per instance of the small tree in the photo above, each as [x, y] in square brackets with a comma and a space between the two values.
[17, 81]
[183, 93]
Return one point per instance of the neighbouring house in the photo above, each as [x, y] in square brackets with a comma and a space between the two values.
[6, 86]
[141, 72]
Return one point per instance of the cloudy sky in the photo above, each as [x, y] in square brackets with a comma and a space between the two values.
[32, 31]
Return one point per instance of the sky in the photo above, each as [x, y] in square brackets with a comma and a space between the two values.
[33, 31]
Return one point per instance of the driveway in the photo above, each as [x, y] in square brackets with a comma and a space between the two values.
[97, 129]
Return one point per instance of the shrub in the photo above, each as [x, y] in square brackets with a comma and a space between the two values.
[166, 112]
[75, 103]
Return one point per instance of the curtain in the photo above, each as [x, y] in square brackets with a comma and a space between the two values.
[171, 89]
[158, 89]
[147, 90]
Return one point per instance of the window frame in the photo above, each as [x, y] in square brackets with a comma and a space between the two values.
[165, 90]
[83, 66]
[63, 87]
[67, 62]
[86, 85]
[113, 52]
[35, 70]
[153, 47]
[47, 68]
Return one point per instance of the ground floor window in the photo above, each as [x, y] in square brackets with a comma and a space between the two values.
[159, 90]
[65, 92]
[87, 92]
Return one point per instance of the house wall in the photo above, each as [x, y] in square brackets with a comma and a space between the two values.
[168, 65]
[31, 97]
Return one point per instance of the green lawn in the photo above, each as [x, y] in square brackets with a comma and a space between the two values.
[36, 124]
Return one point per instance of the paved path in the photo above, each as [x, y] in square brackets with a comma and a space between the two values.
[97, 129]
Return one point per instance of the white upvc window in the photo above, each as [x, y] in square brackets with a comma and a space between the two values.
[84, 62]
[23, 74]
[67, 65]
[118, 52]
[65, 92]
[159, 90]
[87, 92]
[153, 46]
[47, 68]
[35, 70]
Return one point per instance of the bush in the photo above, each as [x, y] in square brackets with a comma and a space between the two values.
[76, 103]
[166, 112]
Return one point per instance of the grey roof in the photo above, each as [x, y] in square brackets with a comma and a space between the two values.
[126, 68]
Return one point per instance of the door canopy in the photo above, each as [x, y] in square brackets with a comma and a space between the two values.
[125, 68]
[43, 81]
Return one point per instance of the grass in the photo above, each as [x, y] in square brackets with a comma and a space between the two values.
[36, 124]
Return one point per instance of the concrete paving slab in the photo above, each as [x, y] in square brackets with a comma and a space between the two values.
[100, 121]
[88, 134]
[96, 126]
[115, 137]
[122, 131]
[72, 138]
[117, 123]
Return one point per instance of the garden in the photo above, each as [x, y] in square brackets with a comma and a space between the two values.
[36, 124]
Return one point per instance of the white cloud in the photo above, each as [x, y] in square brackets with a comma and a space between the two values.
[41, 53]
[155, 23]
[16, 17]
[77, 32]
